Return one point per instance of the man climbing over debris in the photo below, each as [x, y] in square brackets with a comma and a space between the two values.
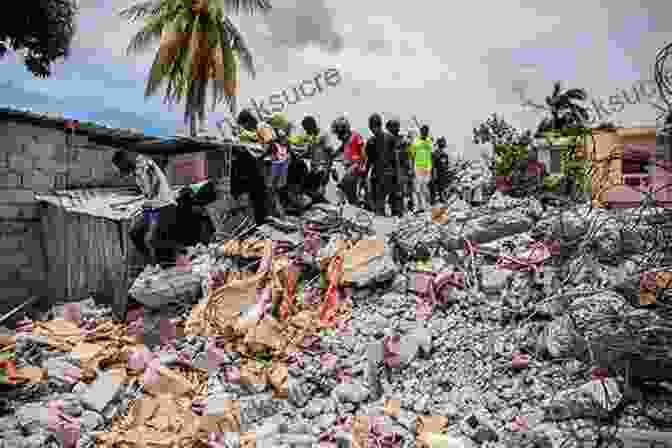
[155, 231]
[321, 158]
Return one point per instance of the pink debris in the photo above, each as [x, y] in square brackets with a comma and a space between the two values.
[185, 359]
[168, 332]
[599, 374]
[311, 343]
[345, 296]
[295, 360]
[24, 327]
[68, 428]
[344, 375]
[216, 356]
[312, 296]
[232, 375]
[520, 424]
[344, 327]
[183, 264]
[648, 281]
[216, 440]
[264, 305]
[328, 360]
[198, 407]
[423, 309]
[152, 372]
[73, 375]
[312, 241]
[520, 361]
[392, 350]
[72, 312]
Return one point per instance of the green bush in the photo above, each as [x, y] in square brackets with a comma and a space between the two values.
[507, 156]
[552, 183]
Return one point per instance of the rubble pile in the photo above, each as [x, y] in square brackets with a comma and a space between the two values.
[475, 175]
[522, 328]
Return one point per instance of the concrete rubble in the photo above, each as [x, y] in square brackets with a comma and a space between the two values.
[511, 356]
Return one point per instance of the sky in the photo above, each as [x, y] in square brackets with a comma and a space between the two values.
[449, 67]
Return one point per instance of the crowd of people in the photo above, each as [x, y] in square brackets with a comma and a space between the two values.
[390, 169]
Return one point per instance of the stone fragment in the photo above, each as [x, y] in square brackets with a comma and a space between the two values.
[354, 392]
[104, 390]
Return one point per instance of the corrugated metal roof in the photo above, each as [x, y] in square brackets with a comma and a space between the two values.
[110, 203]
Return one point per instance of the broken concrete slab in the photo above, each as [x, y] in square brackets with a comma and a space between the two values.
[105, 389]
[57, 370]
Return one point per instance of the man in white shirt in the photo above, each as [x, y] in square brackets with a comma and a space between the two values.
[159, 208]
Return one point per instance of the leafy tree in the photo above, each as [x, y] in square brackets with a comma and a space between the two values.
[199, 46]
[563, 109]
[42, 28]
[496, 131]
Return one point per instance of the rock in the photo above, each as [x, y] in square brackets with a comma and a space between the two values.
[299, 392]
[479, 428]
[314, 408]
[560, 339]
[91, 420]
[379, 270]
[408, 350]
[423, 337]
[104, 389]
[354, 392]
[494, 280]
[56, 369]
[32, 417]
[594, 399]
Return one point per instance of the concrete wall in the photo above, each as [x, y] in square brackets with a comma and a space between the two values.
[35, 159]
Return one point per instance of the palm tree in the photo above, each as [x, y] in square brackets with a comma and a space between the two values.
[198, 45]
[563, 109]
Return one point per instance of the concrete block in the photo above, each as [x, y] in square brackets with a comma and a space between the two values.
[56, 369]
[91, 420]
[104, 390]
[20, 162]
[32, 417]
[10, 179]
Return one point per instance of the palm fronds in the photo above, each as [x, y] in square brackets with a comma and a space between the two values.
[141, 10]
[251, 6]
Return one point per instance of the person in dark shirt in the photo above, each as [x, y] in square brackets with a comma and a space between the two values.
[321, 157]
[386, 169]
[401, 160]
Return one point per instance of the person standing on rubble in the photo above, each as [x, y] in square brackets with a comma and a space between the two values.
[354, 161]
[440, 173]
[421, 155]
[321, 158]
[155, 231]
[402, 164]
[278, 150]
[385, 172]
